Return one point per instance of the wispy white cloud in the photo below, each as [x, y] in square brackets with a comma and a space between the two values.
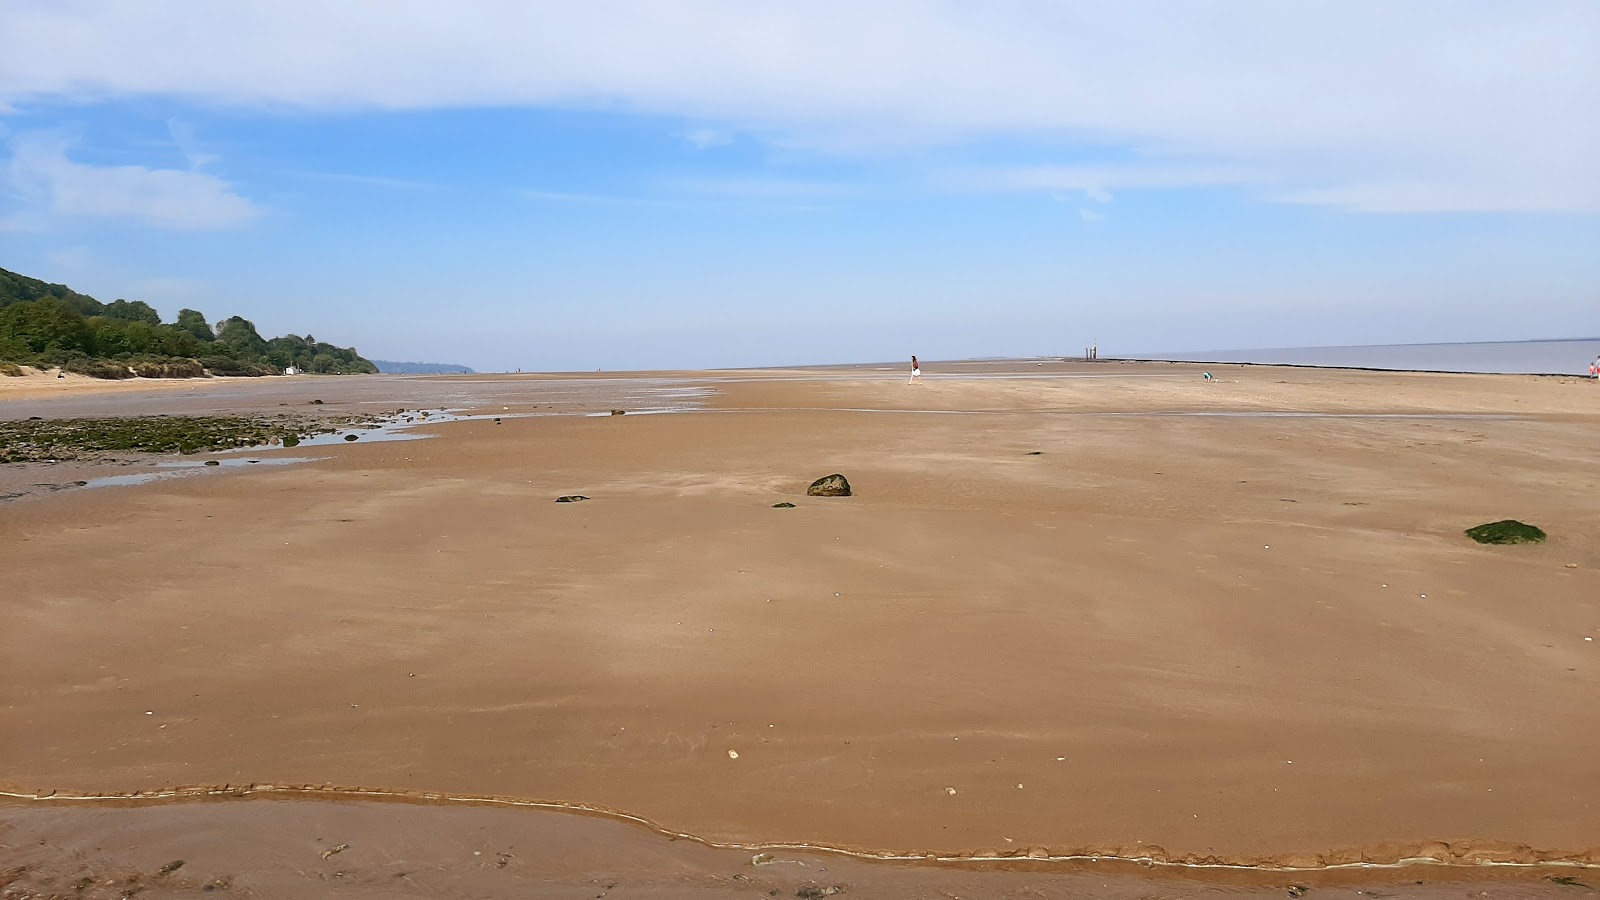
[1098, 182]
[49, 186]
[759, 188]
[706, 138]
[376, 181]
[1089, 215]
[1329, 96]
[182, 134]
[590, 199]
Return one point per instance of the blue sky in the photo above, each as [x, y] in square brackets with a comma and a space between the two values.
[714, 183]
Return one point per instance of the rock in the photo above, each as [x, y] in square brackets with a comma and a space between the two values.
[829, 486]
[571, 498]
[1506, 531]
[784, 505]
[619, 412]
[350, 437]
[291, 440]
[316, 402]
[1035, 452]
[212, 462]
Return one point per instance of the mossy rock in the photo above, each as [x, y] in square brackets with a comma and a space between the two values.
[571, 498]
[351, 437]
[784, 505]
[1506, 531]
[834, 485]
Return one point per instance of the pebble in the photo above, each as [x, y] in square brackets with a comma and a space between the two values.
[733, 754]
[950, 790]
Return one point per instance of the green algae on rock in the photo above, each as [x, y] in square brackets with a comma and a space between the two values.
[1506, 531]
[46, 440]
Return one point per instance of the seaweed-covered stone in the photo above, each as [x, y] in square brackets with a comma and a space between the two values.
[351, 437]
[571, 498]
[1506, 531]
[784, 505]
[829, 486]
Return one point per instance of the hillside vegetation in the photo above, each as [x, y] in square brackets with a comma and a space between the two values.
[52, 325]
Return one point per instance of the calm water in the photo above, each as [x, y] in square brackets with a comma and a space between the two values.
[1511, 357]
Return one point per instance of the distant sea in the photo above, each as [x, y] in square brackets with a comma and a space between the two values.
[1557, 357]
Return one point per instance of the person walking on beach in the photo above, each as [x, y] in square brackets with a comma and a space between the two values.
[916, 371]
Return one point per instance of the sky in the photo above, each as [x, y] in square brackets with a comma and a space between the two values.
[707, 183]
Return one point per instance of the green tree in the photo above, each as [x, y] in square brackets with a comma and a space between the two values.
[132, 311]
[194, 323]
[240, 340]
[49, 328]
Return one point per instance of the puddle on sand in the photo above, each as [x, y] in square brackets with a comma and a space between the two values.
[185, 468]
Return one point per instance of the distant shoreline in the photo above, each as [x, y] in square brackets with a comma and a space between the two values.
[1286, 365]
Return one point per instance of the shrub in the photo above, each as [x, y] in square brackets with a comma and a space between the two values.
[171, 368]
[11, 369]
[98, 368]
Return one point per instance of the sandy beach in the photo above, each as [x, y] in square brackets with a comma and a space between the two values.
[1072, 610]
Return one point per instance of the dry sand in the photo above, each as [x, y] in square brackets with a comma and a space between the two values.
[1177, 632]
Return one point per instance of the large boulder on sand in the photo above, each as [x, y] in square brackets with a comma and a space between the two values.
[829, 486]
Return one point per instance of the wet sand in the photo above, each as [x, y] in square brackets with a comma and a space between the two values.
[377, 849]
[1232, 621]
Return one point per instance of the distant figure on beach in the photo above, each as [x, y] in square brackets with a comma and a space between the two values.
[1594, 368]
[916, 371]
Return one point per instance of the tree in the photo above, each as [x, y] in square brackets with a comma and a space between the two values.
[241, 339]
[132, 311]
[194, 322]
[49, 327]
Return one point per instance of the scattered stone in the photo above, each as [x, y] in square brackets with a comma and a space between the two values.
[331, 851]
[829, 486]
[170, 867]
[950, 790]
[497, 420]
[351, 437]
[571, 498]
[733, 754]
[316, 403]
[619, 412]
[788, 505]
[291, 440]
[1035, 452]
[1298, 890]
[762, 859]
[1572, 565]
[212, 462]
[1506, 531]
